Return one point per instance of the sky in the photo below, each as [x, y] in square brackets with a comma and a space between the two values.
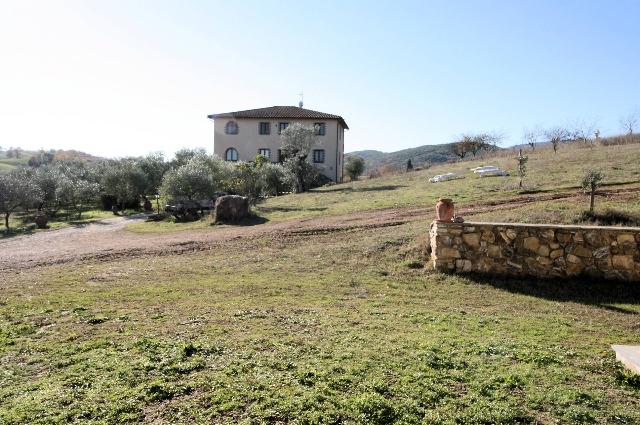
[121, 78]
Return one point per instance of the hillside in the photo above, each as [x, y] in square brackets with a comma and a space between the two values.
[431, 154]
[10, 159]
[548, 174]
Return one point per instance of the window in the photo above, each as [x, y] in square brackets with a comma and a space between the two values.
[282, 126]
[265, 152]
[231, 127]
[318, 156]
[264, 128]
[231, 154]
[321, 128]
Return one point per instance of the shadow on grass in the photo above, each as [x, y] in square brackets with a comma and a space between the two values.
[249, 221]
[362, 189]
[592, 292]
[289, 209]
[21, 231]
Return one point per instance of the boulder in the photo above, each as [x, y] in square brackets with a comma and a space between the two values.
[230, 208]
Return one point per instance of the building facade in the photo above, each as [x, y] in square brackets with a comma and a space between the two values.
[241, 135]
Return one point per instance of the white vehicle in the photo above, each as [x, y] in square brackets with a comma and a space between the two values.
[442, 177]
[487, 172]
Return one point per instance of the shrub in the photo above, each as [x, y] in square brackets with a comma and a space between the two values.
[354, 166]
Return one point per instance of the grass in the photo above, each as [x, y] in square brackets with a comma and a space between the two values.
[344, 327]
[548, 173]
[24, 223]
[334, 327]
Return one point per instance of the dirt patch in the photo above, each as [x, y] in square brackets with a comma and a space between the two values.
[107, 240]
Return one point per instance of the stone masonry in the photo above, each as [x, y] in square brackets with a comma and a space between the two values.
[538, 250]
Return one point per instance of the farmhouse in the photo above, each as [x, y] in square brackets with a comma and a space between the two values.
[241, 135]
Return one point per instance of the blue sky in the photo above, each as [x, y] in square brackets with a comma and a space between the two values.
[119, 78]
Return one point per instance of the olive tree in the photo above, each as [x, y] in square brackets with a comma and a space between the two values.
[590, 183]
[75, 192]
[17, 189]
[125, 181]
[275, 179]
[199, 178]
[556, 136]
[522, 166]
[296, 146]
[354, 166]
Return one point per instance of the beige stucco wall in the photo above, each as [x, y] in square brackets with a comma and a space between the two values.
[249, 140]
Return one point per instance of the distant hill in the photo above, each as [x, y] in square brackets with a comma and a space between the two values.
[426, 154]
[15, 157]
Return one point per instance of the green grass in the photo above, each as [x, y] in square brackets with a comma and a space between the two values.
[24, 223]
[336, 328]
[548, 173]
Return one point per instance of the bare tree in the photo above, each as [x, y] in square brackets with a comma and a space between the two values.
[530, 137]
[629, 122]
[556, 136]
[583, 130]
[475, 143]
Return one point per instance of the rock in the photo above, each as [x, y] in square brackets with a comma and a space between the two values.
[446, 240]
[531, 243]
[601, 252]
[548, 234]
[573, 259]
[543, 251]
[514, 265]
[578, 237]
[230, 208]
[493, 251]
[554, 245]
[593, 238]
[463, 265]
[574, 269]
[544, 261]
[581, 251]
[624, 262]
[626, 239]
[488, 236]
[446, 252]
[556, 253]
[471, 239]
[469, 229]
[511, 234]
[563, 238]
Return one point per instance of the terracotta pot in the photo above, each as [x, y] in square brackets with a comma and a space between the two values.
[41, 221]
[444, 209]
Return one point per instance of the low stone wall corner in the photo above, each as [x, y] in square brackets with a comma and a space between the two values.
[543, 251]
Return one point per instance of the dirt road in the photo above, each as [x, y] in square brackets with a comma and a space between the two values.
[108, 239]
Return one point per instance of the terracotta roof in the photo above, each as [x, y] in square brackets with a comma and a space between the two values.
[281, 112]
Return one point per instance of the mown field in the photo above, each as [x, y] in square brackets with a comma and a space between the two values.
[328, 326]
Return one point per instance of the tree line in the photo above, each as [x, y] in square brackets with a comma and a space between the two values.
[52, 186]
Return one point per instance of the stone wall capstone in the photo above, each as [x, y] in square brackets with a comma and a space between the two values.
[538, 250]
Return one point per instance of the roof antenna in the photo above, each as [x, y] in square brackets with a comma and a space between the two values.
[301, 103]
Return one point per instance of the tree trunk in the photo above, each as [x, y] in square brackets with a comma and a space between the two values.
[593, 196]
[520, 183]
[6, 220]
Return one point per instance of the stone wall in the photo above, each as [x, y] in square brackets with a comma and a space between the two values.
[545, 251]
